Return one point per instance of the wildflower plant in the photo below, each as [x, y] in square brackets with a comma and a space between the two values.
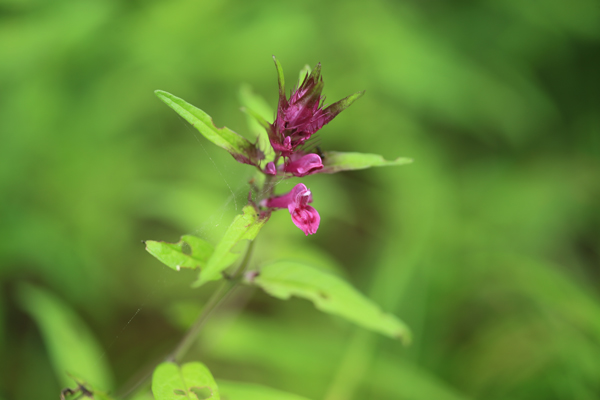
[283, 151]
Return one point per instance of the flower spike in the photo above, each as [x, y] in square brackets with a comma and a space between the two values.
[303, 114]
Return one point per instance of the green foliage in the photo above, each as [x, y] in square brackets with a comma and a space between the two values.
[334, 161]
[69, 342]
[261, 113]
[344, 103]
[239, 147]
[280, 78]
[330, 294]
[487, 247]
[189, 381]
[173, 255]
[244, 227]
[249, 391]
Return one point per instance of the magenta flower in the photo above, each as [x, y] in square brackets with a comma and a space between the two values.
[303, 114]
[296, 201]
[270, 169]
[301, 165]
[298, 118]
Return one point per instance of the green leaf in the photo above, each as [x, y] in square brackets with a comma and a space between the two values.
[330, 294]
[250, 391]
[280, 78]
[172, 254]
[244, 227]
[342, 104]
[70, 343]
[261, 111]
[334, 161]
[240, 148]
[304, 72]
[190, 381]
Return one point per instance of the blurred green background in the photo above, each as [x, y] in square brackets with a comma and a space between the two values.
[488, 246]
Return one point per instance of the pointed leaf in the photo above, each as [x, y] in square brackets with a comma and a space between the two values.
[258, 108]
[304, 72]
[280, 81]
[342, 104]
[190, 381]
[70, 343]
[173, 256]
[250, 391]
[257, 118]
[240, 148]
[244, 227]
[259, 112]
[330, 294]
[334, 161]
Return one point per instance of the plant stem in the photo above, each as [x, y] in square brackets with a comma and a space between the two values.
[186, 342]
[215, 300]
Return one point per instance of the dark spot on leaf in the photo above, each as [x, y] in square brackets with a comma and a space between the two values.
[324, 295]
[202, 393]
[179, 392]
[186, 248]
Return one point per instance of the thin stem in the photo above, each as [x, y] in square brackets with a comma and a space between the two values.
[215, 300]
[192, 334]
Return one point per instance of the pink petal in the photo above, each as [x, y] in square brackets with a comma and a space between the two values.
[306, 165]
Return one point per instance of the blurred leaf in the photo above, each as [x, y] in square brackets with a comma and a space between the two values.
[190, 381]
[172, 254]
[330, 294]
[334, 161]
[251, 391]
[70, 344]
[143, 395]
[305, 344]
[239, 147]
[344, 103]
[401, 380]
[244, 227]
[259, 112]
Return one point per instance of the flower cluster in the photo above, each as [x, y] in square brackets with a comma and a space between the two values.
[298, 118]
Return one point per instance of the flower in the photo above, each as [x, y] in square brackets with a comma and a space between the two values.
[296, 201]
[303, 114]
[298, 118]
[270, 169]
[301, 165]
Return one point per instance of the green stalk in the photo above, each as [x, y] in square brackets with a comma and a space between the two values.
[217, 298]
